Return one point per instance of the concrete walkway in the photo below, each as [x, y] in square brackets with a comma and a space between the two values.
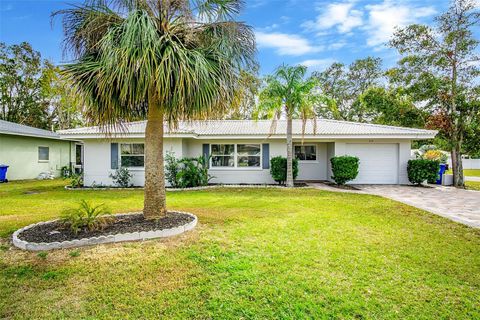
[467, 178]
[456, 204]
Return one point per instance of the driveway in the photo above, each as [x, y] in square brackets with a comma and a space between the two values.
[456, 204]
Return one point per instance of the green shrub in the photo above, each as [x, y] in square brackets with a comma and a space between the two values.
[121, 177]
[187, 172]
[278, 169]
[420, 170]
[344, 169]
[76, 180]
[86, 216]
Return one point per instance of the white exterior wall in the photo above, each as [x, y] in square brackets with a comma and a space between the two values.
[97, 160]
[330, 155]
[404, 147]
[314, 170]
[238, 175]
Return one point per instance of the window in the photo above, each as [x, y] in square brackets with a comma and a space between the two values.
[223, 155]
[248, 155]
[306, 152]
[43, 153]
[78, 154]
[132, 155]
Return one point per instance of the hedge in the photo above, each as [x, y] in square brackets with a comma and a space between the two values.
[344, 168]
[278, 169]
[420, 170]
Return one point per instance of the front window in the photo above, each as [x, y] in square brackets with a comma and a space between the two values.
[43, 153]
[248, 155]
[223, 155]
[78, 154]
[132, 155]
[306, 153]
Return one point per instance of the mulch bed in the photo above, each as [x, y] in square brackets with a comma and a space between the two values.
[344, 187]
[56, 232]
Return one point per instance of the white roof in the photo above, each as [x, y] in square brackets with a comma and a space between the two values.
[261, 128]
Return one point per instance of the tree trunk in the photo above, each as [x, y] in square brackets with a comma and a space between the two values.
[457, 165]
[155, 205]
[289, 153]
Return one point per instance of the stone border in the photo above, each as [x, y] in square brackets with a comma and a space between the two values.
[259, 186]
[113, 238]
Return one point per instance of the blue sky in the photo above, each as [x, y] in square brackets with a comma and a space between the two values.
[314, 33]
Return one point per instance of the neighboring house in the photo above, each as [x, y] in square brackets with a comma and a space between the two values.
[30, 151]
[241, 150]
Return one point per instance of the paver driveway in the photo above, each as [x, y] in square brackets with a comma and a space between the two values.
[456, 204]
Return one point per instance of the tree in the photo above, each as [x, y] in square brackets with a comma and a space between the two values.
[163, 60]
[346, 85]
[21, 73]
[389, 107]
[439, 68]
[287, 92]
[244, 103]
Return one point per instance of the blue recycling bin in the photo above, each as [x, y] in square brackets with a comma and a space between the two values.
[443, 168]
[3, 173]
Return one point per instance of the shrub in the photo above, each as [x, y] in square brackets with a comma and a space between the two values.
[171, 169]
[420, 170]
[65, 172]
[76, 180]
[121, 177]
[86, 216]
[278, 169]
[344, 169]
[187, 172]
[430, 152]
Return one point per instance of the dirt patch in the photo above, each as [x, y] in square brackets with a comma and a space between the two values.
[343, 187]
[57, 232]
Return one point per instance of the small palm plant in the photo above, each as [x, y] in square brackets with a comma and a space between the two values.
[86, 217]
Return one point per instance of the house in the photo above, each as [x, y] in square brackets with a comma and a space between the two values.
[241, 150]
[30, 151]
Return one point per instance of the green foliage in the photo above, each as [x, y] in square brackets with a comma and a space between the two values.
[431, 152]
[76, 180]
[345, 85]
[30, 90]
[420, 170]
[65, 172]
[42, 255]
[121, 177]
[74, 253]
[389, 107]
[187, 172]
[278, 169]
[86, 217]
[344, 168]
[185, 56]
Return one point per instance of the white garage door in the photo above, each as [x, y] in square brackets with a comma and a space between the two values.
[378, 162]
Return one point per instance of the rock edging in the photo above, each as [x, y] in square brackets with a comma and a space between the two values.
[113, 238]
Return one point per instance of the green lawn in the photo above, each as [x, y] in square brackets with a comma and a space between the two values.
[256, 254]
[468, 172]
[473, 185]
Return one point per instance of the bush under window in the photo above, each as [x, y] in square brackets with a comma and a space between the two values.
[420, 170]
[278, 169]
[187, 172]
[344, 169]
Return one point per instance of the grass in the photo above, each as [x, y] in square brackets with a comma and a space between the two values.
[468, 172]
[256, 254]
[473, 185]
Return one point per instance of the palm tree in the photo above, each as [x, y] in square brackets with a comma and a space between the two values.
[163, 60]
[287, 92]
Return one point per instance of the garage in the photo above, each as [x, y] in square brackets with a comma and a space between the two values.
[378, 162]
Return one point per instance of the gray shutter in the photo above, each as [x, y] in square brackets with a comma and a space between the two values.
[206, 151]
[265, 156]
[114, 155]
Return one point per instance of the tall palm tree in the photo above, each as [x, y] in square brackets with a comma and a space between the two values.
[163, 60]
[287, 92]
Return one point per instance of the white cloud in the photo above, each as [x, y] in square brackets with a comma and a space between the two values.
[341, 15]
[285, 44]
[317, 64]
[385, 17]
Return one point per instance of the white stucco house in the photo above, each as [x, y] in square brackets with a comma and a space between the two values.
[241, 149]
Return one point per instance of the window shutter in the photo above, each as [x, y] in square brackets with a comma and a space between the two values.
[114, 155]
[206, 152]
[266, 156]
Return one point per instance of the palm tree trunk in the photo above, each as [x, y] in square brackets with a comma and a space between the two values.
[155, 205]
[289, 153]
